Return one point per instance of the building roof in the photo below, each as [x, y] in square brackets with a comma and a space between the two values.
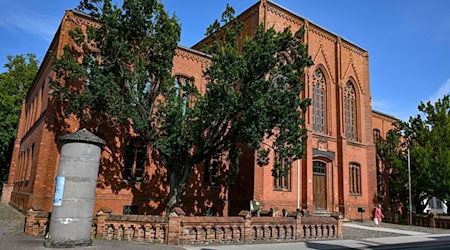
[384, 114]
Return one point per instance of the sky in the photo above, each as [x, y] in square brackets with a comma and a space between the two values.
[408, 40]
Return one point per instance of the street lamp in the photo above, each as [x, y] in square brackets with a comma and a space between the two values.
[409, 187]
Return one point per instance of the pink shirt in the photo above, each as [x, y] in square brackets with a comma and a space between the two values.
[378, 214]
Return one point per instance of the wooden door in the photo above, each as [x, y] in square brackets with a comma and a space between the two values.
[319, 185]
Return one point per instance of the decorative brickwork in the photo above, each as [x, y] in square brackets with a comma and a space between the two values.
[422, 220]
[178, 229]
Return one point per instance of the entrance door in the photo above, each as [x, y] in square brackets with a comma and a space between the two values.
[319, 185]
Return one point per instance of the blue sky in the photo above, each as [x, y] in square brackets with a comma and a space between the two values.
[408, 40]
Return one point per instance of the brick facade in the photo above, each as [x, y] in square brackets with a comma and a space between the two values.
[34, 168]
[382, 123]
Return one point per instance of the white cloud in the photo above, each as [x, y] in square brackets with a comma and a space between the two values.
[383, 105]
[23, 20]
[444, 89]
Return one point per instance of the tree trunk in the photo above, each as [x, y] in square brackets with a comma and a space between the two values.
[177, 183]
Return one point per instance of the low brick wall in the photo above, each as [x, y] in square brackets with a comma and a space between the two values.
[392, 217]
[178, 229]
[422, 220]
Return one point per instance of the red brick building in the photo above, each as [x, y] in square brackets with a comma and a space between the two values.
[337, 174]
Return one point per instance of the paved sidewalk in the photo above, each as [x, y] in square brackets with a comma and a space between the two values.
[427, 241]
[383, 229]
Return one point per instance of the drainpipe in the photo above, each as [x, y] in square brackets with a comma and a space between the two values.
[298, 184]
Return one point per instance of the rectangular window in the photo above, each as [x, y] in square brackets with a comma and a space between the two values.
[135, 159]
[211, 172]
[282, 176]
[355, 179]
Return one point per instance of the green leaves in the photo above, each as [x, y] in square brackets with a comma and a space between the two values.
[14, 84]
[129, 69]
[255, 90]
[252, 93]
[428, 137]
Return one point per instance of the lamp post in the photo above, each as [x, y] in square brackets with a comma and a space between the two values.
[409, 187]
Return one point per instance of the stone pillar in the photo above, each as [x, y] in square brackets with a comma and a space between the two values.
[247, 226]
[298, 234]
[102, 215]
[431, 220]
[175, 228]
[340, 227]
[73, 205]
[29, 222]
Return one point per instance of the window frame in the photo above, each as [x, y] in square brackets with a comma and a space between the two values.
[350, 112]
[319, 101]
[355, 179]
[211, 172]
[139, 154]
[282, 183]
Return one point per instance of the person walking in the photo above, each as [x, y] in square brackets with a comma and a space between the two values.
[378, 216]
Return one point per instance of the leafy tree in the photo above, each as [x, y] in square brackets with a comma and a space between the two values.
[14, 84]
[252, 94]
[391, 176]
[428, 139]
[430, 148]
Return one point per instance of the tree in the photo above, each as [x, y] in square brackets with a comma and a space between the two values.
[392, 179]
[14, 84]
[430, 148]
[252, 95]
[428, 139]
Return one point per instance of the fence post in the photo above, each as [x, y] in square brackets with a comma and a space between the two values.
[298, 226]
[247, 225]
[102, 215]
[175, 229]
[29, 225]
[431, 220]
[340, 226]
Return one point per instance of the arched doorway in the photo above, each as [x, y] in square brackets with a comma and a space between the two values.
[320, 185]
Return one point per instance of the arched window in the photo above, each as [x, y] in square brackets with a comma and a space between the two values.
[318, 101]
[350, 111]
[355, 178]
[376, 135]
[282, 176]
[180, 88]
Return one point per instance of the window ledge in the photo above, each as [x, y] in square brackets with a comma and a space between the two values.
[355, 194]
[355, 143]
[282, 189]
[324, 136]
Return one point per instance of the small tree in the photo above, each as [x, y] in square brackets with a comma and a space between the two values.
[252, 93]
[14, 84]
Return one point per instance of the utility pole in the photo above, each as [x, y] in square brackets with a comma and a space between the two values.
[409, 187]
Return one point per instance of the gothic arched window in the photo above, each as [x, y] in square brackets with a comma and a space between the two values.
[350, 111]
[318, 101]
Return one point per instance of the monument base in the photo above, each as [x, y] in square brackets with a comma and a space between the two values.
[67, 244]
